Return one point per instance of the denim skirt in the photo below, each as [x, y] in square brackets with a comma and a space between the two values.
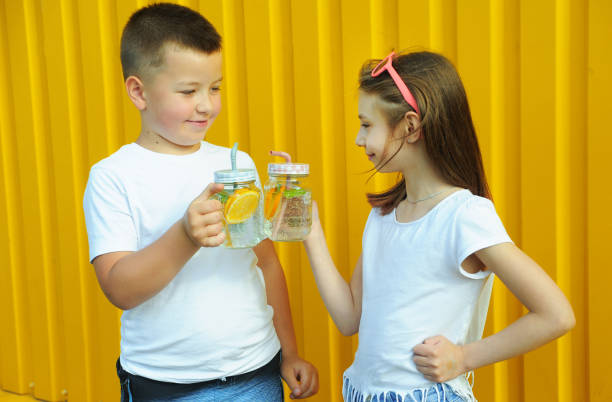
[437, 393]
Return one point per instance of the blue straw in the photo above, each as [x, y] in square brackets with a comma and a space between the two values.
[233, 155]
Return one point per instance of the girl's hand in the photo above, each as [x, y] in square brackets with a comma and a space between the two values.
[203, 220]
[439, 359]
[315, 229]
[301, 377]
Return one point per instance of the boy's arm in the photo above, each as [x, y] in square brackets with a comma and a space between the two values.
[130, 278]
[301, 376]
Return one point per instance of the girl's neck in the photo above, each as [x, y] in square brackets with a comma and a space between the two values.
[423, 183]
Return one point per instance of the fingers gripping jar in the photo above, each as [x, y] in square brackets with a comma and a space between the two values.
[287, 205]
[242, 207]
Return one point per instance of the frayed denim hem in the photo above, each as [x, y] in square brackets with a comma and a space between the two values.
[442, 392]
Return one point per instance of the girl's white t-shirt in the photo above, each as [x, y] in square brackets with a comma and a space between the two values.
[414, 287]
[212, 320]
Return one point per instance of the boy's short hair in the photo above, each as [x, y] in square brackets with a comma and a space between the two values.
[151, 28]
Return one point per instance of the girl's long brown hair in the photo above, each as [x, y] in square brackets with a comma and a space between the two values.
[446, 121]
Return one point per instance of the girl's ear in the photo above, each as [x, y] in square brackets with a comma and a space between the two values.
[412, 127]
[135, 90]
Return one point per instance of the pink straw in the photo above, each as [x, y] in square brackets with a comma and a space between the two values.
[282, 155]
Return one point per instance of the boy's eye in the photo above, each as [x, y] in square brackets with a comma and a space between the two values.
[188, 92]
[365, 125]
[215, 89]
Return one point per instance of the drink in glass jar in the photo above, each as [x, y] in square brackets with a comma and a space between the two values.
[242, 207]
[288, 202]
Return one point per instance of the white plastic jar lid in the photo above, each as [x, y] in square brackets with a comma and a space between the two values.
[301, 169]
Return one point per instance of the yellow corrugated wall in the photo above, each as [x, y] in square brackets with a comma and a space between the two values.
[539, 78]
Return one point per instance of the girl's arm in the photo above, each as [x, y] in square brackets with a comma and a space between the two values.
[130, 278]
[343, 300]
[550, 316]
[301, 376]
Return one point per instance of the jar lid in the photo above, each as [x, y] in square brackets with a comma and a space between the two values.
[289, 168]
[235, 176]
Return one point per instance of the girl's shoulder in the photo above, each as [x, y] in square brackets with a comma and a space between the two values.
[467, 203]
[473, 213]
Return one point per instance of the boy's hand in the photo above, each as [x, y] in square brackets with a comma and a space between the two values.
[301, 377]
[203, 220]
[439, 359]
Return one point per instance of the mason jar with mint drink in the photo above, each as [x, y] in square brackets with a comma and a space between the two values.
[288, 202]
[242, 207]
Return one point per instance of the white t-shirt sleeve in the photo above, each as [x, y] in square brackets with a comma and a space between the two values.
[109, 222]
[478, 226]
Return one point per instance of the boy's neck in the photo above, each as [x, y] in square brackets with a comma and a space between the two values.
[159, 144]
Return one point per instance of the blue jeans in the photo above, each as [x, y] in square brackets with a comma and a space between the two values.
[260, 385]
[437, 393]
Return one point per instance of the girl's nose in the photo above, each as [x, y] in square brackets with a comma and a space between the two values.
[359, 140]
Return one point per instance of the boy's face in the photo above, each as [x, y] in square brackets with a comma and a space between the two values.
[182, 99]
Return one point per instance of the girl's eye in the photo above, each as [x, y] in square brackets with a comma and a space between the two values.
[365, 125]
[215, 89]
[188, 92]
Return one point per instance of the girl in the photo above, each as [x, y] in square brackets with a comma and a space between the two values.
[420, 290]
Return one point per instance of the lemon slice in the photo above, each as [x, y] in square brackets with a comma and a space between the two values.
[241, 205]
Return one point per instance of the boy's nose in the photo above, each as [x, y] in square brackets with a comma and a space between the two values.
[204, 105]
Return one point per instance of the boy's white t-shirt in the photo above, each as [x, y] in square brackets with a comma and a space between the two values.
[212, 320]
[414, 288]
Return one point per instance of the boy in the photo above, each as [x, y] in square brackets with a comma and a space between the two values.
[197, 324]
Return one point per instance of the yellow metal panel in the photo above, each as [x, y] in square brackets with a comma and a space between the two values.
[505, 157]
[236, 108]
[100, 140]
[538, 171]
[39, 201]
[69, 164]
[333, 197]
[15, 334]
[443, 27]
[306, 37]
[599, 196]
[290, 83]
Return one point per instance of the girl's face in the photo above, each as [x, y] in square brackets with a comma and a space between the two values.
[182, 99]
[375, 135]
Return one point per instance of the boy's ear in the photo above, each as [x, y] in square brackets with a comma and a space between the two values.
[412, 127]
[135, 90]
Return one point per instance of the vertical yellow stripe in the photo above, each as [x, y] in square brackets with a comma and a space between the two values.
[443, 27]
[78, 151]
[563, 113]
[599, 198]
[235, 82]
[283, 132]
[330, 110]
[46, 386]
[16, 339]
[282, 97]
[113, 129]
[498, 163]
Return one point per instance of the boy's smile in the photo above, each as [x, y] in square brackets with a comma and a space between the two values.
[181, 99]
